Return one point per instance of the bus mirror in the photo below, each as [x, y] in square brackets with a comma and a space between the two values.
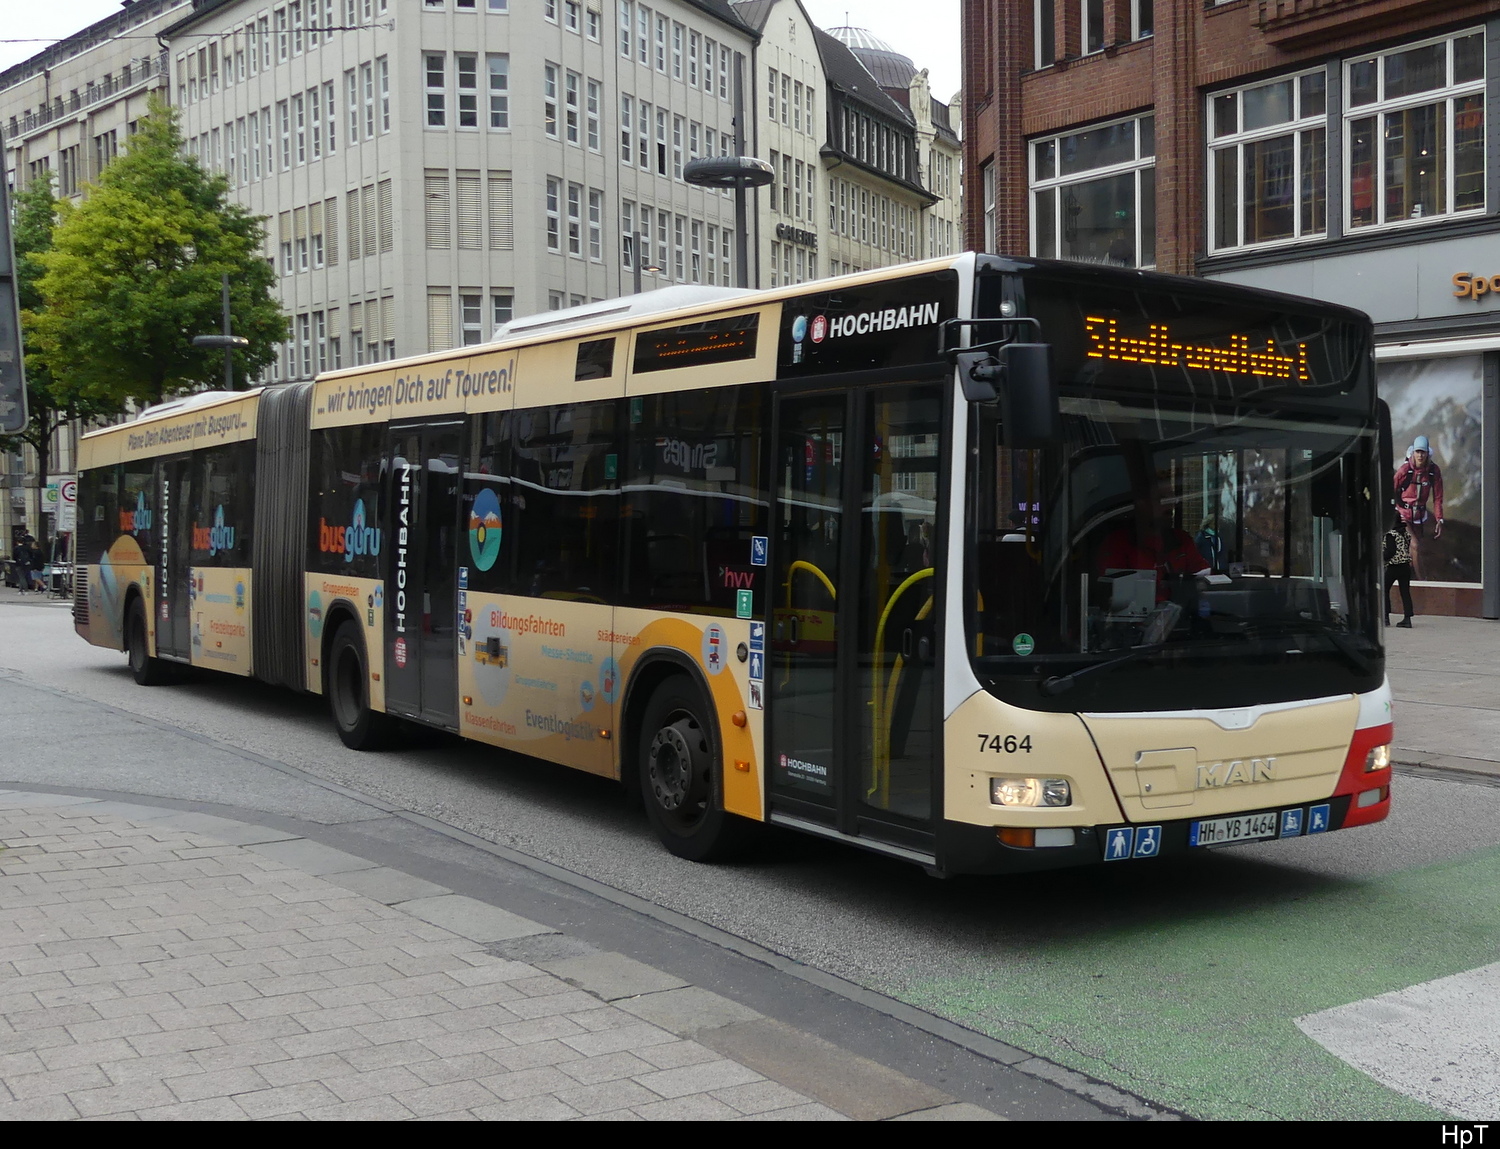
[1029, 410]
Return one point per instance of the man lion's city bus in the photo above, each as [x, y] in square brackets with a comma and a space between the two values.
[988, 564]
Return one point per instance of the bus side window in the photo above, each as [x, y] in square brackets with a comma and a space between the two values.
[696, 500]
[566, 469]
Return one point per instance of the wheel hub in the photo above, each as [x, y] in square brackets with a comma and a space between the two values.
[671, 767]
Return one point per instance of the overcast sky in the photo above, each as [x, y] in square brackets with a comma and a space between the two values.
[925, 31]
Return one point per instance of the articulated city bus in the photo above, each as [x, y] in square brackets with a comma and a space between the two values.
[987, 564]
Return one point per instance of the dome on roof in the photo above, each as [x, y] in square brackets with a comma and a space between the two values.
[889, 67]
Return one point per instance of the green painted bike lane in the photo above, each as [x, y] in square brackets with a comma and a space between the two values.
[1196, 1012]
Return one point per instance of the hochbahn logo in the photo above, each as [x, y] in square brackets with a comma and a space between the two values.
[352, 541]
[884, 319]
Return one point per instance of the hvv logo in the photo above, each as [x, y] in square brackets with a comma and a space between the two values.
[355, 539]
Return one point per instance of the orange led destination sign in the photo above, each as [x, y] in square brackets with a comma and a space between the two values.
[1156, 349]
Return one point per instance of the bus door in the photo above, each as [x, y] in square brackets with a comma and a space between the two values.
[853, 724]
[174, 573]
[424, 476]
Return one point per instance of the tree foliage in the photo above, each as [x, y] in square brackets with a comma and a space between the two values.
[135, 270]
[51, 400]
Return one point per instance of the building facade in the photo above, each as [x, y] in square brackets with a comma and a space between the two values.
[67, 112]
[1342, 149]
[433, 168]
[847, 125]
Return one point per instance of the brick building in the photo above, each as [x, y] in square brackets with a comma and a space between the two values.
[1339, 149]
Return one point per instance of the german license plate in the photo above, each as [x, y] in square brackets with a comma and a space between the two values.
[1244, 828]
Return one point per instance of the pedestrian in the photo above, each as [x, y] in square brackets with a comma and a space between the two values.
[1398, 570]
[23, 558]
[40, 567]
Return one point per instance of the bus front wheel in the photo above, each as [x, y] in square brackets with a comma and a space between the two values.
[146, 670]
[347, 684]
[678, 769]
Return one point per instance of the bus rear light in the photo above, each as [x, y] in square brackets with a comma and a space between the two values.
[1372, 797]
[1030, 792]
[1379, 758]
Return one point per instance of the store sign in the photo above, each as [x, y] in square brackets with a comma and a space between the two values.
[790, 234]
[1467, 285]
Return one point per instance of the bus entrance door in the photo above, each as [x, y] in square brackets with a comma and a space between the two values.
[424, 476]
[851, 680]
[174, 589]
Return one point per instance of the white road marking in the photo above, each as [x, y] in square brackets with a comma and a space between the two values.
[1438, 1042]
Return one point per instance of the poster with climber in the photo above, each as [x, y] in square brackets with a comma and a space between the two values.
[1437, 428]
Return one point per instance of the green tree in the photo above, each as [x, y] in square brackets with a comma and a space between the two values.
[50, 401]
[134, 273]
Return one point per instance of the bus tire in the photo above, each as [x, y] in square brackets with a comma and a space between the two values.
[146, 670]
[678, 770]
[346, 682]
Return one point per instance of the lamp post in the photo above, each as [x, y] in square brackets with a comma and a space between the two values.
[738, 171]
[226, 340]
[642, 244]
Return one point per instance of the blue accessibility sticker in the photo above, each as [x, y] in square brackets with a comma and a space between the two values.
[1147, 842]
[760, 547]
[1117, 843]
[1318, 819]
[1291, 823]
[757, 666]
[757, 636]
[463, 578]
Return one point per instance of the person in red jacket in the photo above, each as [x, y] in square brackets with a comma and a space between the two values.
[1149, 542]
[1417, 480]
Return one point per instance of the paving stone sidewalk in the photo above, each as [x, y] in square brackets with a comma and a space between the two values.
[159, 964]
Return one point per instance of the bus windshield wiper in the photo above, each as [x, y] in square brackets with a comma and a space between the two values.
[1057, 684]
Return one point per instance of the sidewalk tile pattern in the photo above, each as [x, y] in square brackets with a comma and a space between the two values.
[147, 970]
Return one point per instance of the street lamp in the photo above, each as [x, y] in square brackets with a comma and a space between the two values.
[227, 341]
[739, 173]
[642, 246]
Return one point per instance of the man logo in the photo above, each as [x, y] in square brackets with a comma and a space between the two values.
[1240, 771]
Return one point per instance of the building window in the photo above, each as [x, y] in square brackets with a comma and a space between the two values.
[1414, 132]
[549, 99]
[285, 116]
[554, 218]
[499, 69]
[1268, 162]
[471, 315]
[1142, 19]
[1093, 194]
[627, 22]
[299, 121]
[591, 114]
[570, 97]
[351, 90]
[575, 219]
[627, 234]
[679, 261]
[331, 116]
[466, 69]
[596, 224]
[570, 14]
[1091, 18]
[627, 147]
[502, 309]
[1044, 32]
[383, 68]
[594, 22]
[367, 79]
[437, 108]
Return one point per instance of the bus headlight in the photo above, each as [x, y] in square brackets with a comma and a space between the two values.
[1378, 759]
[1030, 792]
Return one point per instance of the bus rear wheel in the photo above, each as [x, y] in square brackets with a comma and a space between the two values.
[678, 770]
[146, 670]
[346, 681]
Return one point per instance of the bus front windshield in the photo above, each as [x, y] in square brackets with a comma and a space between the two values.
[1175, 556]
